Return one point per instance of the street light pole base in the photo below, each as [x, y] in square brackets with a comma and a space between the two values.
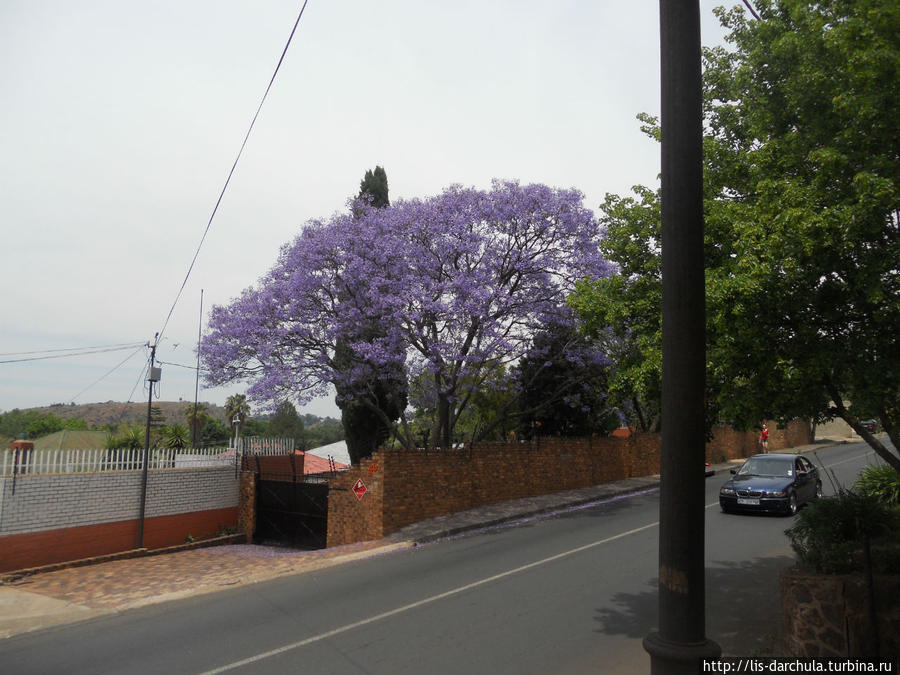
[678, 658]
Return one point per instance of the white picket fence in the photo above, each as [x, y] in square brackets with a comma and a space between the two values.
[32, 462]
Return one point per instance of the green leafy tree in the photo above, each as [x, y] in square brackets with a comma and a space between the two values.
[44, 425]
[215, 433]
[623, 311]
[255, 427]
[286, 423]
[321, 432]
[802, 217]
[803, 210]
[492, 412]
[563, 384]
[34, 424]
[489, 411]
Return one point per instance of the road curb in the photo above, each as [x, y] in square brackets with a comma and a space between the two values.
[525, 514]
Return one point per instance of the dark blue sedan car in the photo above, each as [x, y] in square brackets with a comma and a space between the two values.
[773, 483]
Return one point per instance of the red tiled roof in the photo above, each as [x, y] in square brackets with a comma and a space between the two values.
[314, 464]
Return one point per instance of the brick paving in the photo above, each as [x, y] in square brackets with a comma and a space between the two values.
[121, 584]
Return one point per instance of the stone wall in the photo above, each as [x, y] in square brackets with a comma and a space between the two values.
[828, 615]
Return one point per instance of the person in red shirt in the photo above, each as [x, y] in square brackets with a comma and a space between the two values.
[764, 438]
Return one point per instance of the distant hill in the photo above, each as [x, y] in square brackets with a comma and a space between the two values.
[114, 413]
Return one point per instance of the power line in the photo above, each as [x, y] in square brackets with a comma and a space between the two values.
[86, 352]
[109, 372]
[123, 345]
[180, 365]
[140, 378]
[230, 173]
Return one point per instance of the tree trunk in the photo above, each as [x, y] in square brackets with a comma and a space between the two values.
[885, 454]
[442, 438]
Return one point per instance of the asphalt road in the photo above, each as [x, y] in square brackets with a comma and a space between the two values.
[575, 593]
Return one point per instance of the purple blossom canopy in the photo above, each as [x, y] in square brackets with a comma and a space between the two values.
[444, 285]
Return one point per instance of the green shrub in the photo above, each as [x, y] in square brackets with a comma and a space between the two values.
[881, 482]
[829, 534]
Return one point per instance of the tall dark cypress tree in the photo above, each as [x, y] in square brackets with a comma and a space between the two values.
[375, 185]
[366, 406]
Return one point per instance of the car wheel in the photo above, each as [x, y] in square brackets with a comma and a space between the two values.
[792, 505]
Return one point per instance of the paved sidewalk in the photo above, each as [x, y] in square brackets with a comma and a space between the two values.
[74, 594]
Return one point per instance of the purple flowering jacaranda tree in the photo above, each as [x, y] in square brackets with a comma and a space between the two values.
[447, 285]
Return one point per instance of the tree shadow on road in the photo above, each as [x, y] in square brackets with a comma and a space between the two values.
[743, 607]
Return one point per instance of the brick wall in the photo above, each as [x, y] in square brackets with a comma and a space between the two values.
[406, 487]
[351, 519]
[57, 517]
[247, 505]
[46, 547]
[730, 444]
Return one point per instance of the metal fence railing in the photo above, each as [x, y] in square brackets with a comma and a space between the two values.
[266, 447]
[32, 462]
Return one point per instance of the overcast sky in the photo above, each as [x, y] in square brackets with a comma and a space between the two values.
[121, 119]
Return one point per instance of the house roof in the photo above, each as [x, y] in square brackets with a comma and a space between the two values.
[315, 464]
[336, 450]
[72, 439]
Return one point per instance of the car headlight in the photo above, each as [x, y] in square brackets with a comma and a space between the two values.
[782, 493]
[726, 491]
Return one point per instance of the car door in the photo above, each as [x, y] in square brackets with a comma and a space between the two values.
[812, 475]
[803, 479]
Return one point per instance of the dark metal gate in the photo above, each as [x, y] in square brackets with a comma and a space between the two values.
[292, 513]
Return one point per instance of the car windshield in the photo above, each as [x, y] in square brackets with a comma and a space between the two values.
[764, 466]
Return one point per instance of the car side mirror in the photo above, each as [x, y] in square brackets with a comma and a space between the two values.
[733, 472]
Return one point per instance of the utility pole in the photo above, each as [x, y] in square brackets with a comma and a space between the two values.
[153, 377]
[680, 644]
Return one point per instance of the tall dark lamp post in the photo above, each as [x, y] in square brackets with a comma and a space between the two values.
[680, 644]
[153, 376]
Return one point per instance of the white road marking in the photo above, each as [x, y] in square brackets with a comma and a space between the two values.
[420, 603]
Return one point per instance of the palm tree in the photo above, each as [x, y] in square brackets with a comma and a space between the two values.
[236, 404]
[197, 416]
[130, 438]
